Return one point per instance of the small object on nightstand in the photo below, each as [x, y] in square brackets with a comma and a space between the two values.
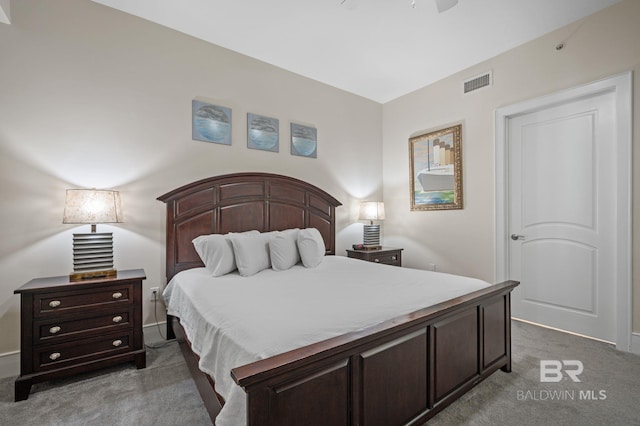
[73, 327]
[384, 255]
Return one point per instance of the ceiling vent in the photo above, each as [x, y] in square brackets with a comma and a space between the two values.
[478, 82]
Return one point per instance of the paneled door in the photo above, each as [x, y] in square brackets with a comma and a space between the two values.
[562, 215]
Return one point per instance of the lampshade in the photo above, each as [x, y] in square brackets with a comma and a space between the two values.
[92, 206]
[371, 210]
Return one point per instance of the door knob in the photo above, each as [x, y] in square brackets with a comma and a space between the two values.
[516, 237]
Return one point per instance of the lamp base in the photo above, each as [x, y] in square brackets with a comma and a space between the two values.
[371, 236]
[90, 275]
[92, 256]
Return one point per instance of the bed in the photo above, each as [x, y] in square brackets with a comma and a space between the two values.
[402, 370]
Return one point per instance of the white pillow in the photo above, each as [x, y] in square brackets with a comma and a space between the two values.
[283, 249]
[311, 247]
[216, 253]
[251, 252]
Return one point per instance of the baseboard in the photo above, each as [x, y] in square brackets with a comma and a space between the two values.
[635, 343]
[154, 333]
[10, 364]
[10, 361]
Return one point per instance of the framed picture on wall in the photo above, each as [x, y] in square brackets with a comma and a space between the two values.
[436, 169]
[263, 132]
[304, 141]
[210, 123]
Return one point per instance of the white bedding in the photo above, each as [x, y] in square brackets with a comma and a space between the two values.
[233, 320]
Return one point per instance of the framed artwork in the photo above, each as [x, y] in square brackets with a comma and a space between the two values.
[263, 133]
[436, 169]
[210, 123]
[304, 141]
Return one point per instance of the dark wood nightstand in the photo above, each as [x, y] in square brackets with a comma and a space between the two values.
[386, 255]
[74, 327]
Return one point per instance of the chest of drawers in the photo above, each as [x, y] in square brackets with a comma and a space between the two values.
[74, 327]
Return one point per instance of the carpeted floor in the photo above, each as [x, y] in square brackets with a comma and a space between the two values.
[120, 395]
[519, 398]
[164, 394]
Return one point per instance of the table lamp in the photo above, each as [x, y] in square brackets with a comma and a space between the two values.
[93, 252]
[371, 210]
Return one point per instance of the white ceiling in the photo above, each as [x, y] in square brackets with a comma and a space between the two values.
[379, 49]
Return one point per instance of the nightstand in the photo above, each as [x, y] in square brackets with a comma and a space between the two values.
[69, 327]
[386, 255]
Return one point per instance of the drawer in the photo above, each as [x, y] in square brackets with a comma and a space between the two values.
[72, 301]
[56, 329]
[47, 357]
[387, 258]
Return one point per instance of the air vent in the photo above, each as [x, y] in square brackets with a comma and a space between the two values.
[477, 82]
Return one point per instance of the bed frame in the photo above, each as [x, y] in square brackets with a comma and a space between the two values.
[402, 371]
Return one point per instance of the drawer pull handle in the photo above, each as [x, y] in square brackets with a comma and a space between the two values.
[54, 329]
[376, 260]
[117, 343]
[394, 258]
[116, 295]
[117, 319]
[54, 303]
[54, 356]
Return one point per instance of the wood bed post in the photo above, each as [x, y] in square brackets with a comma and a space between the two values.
[507, 367]
[170, 333]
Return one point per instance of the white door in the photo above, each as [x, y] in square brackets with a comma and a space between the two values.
[562, 215]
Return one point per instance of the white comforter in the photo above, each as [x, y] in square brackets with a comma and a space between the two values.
[233, 320]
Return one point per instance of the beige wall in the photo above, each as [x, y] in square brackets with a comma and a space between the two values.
[462, 242]
[92, 97]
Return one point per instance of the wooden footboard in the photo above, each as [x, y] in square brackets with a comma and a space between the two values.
[402, 371]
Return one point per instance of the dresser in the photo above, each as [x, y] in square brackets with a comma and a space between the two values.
[385, 255]
[69, 327]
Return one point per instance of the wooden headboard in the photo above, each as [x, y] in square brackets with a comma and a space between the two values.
[242, 202]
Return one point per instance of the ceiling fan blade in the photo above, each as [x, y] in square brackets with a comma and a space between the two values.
[444, 5]
[350, 4]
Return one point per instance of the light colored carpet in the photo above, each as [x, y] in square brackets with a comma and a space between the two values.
[502, 398]
[161, 394]
[164, 394]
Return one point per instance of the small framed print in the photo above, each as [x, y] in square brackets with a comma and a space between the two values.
[210, 123]
[263, 133]
[304, 141]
